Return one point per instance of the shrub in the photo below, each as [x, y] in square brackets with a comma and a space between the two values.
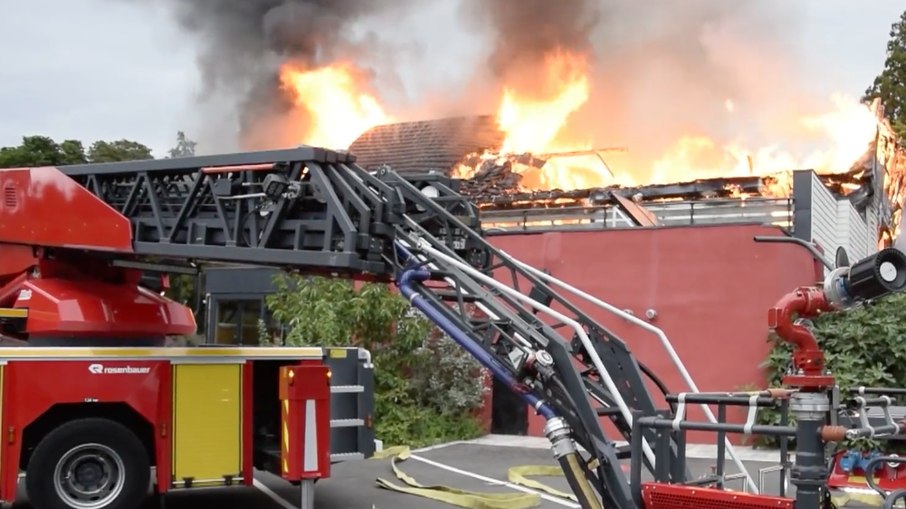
[427, 388]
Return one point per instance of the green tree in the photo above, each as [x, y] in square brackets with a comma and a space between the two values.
[427, 388]
[73, 152]
[44, 151]
[184, 146]
[120, 150]
[890, 84]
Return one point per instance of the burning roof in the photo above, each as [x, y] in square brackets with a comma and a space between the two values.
[426, 146]
[468, 147]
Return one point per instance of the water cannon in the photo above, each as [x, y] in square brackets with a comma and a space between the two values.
[872, 277]
[845, 286]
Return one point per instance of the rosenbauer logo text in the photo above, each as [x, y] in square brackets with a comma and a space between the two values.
[100, 369]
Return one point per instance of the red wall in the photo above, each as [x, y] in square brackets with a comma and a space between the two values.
[711, 287]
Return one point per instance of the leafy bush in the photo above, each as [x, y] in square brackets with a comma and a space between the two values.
[862, 346]
[427, 388]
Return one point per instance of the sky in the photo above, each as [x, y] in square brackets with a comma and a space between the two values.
[112, 69]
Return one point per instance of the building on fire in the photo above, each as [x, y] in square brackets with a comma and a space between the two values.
[697, 259]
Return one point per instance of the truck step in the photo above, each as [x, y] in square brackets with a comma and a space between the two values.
[346, 423]
[347, 389]
[346, 456]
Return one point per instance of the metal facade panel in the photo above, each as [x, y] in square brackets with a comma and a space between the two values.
[863, 236]
[824, 216]
[853, 233]
[207, 423]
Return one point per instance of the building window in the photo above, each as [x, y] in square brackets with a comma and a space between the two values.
[237, 322]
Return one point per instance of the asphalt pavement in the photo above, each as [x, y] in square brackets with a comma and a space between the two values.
[474, 467]
[468, 466]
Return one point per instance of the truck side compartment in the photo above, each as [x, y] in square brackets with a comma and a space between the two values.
[40, 396]
[351, 407]
[208, 432]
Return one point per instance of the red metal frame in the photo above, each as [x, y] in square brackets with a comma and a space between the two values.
[163, 431]
[248, 406]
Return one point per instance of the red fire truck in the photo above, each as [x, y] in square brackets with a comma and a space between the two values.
[97, 407]
[95, 399]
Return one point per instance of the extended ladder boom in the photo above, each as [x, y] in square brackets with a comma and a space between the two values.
[317, 212]
[305, 208]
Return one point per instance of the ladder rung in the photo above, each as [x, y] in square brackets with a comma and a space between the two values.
[454, 296]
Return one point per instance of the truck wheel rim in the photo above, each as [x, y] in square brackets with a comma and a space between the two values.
[89, 476]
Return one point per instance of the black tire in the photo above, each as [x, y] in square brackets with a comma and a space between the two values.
[80, 446]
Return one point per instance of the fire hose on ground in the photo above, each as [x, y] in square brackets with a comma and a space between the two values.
[517, 476]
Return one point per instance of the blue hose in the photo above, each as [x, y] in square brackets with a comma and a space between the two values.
[406, 285]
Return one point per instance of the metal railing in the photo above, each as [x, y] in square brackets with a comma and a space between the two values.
[776, 211]
[674, 426]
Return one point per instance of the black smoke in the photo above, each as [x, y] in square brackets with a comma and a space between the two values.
[243, 43]
[522, 32]
[659, 69]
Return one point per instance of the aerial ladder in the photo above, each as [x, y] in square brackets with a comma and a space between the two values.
[96, 234]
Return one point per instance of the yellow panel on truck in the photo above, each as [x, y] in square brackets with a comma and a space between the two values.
[207, 423]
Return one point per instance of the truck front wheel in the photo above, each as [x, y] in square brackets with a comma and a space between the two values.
[88, 464]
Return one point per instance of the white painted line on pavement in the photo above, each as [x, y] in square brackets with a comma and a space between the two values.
[273, 496]
[440, 446]
[545, 496]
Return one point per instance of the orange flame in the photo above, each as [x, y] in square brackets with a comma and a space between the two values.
[332, 96]
[534, 113]
[532, 118]
[842, 135]
[531, 124]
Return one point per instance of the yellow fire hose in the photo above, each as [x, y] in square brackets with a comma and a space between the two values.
[520, 475]
[474, 499]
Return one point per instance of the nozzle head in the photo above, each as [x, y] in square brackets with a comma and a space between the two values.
[877, 275]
